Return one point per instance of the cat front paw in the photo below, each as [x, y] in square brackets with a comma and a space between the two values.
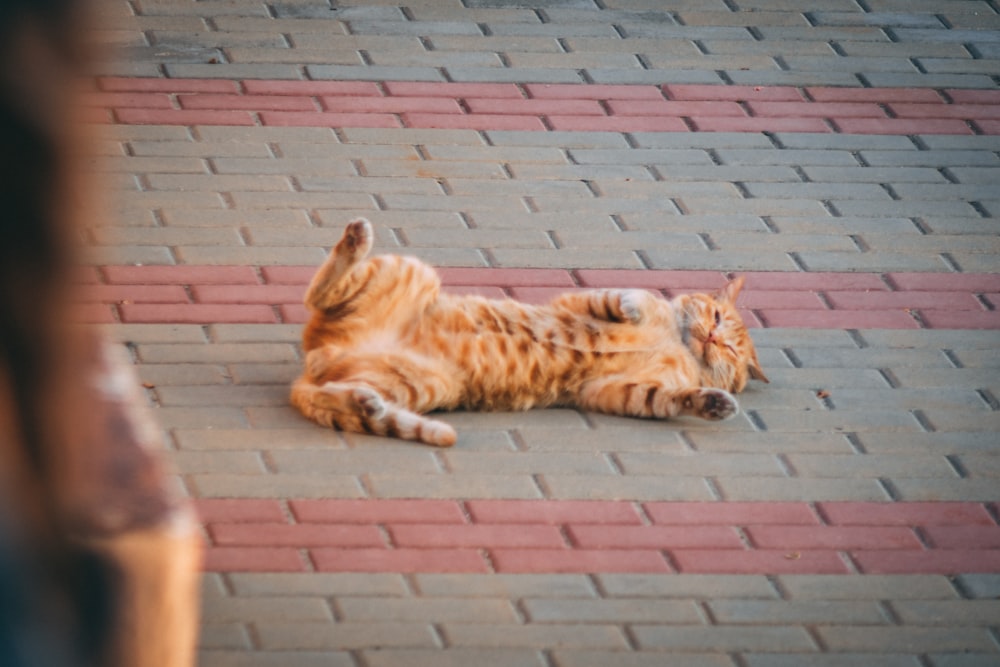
[630, 303]
[716, 404]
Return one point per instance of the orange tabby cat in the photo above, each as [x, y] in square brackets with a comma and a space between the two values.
[384, 345]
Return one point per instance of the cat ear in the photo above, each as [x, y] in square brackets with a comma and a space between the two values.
[732, 289]
[756, 372]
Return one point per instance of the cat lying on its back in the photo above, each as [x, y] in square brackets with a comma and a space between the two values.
[384, 345]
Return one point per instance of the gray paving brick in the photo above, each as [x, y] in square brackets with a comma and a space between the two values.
[853, 659]
[594, 658]
[822, 587]
[795, 338]
[785, 241]
[980, 585]
[675, 173]
[716, 260]
[948, 612]
[217, 437]
[823, 77]
[189, 417]
[224, 636]
[809, 612]
[128, 254]
[271, 57]
[693, 586]
[905, 638]
[401, 485]
[453, 657]
[573, 487]
[353, 461]
[433, 610]
[684, 639]
[559, 586]
[232, 71]
[344, 635]
[222, 485]
[963, 420]
[704, 465]
[221, 395]
[557, 439]
[827, 378]
[652, 77]
[799, 489]
[496, 43]
[870, 262]
[320, 584]
[892, 175]
[970, 339]
[840, 420]
[872, 358]
[640, 156]
[255, 333]
[618, 610]
[568, 258]
[964, 659]
[946, 377]
[571, 463]
[295, 609]
[648, 220]
[584, 635]
[371, 72]
[224, 658]
[189, 462]
[771, 442]
[870, 465]
[940, 490]
[156, 333]
[910, 399]
[182, 374]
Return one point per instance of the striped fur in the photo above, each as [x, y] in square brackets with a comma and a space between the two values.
[384, 346]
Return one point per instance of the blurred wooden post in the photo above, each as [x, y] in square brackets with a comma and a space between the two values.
[129, 513]
[81, 467]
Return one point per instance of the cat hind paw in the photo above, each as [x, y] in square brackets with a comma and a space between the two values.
[716, 404]
[358, 237]
[370, 402]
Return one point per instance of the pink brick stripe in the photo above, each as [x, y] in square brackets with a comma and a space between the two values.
[577, 107]
[273, 294]
[547, 536]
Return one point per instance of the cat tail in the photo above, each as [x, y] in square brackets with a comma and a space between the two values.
[356, 407]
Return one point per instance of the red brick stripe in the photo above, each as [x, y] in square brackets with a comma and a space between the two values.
[578, 107]
[241, 294]
[600, 536]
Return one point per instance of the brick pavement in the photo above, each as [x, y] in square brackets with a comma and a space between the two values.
[844, 158]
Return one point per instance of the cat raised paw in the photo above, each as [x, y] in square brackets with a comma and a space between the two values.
[358, 238]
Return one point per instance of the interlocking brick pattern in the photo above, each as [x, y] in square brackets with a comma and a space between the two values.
[625, 108]
[209, 294]
[615, 536]
[843, 157]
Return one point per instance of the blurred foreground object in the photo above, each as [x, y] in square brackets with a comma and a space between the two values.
[99, 562]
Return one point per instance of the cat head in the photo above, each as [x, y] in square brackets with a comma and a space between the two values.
[717, 337]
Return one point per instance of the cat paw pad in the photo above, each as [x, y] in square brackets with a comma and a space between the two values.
[370, 402]
[716, 404]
